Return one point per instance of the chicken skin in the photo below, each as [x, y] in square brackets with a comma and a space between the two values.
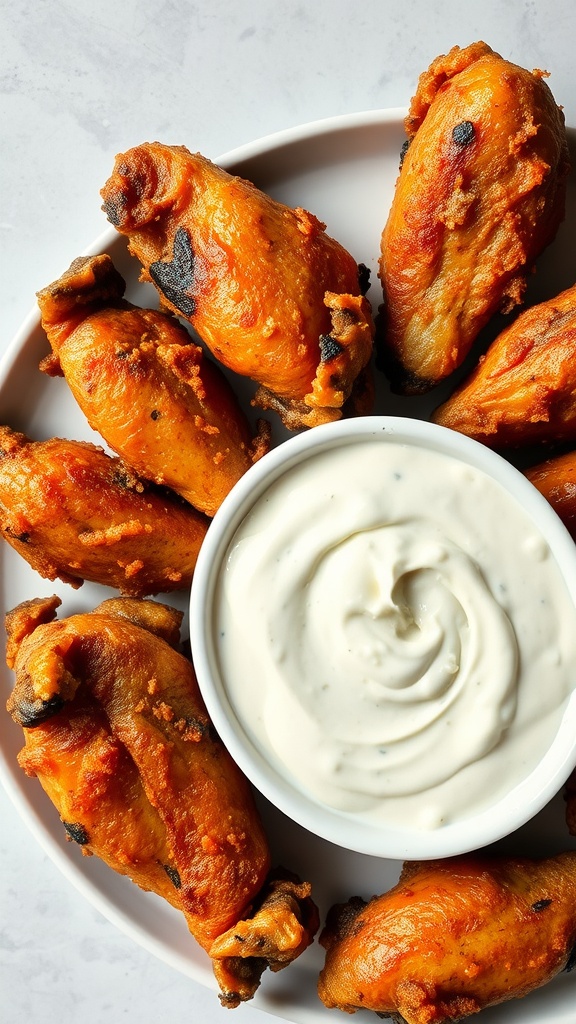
[556, 480]
[481, 192]
[269, 292]
[524, 389]
[146, 387]
[74, 513]
[452, 938]
[118, 736]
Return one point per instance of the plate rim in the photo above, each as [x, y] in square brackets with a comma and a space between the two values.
[239, 154]
[69, 868]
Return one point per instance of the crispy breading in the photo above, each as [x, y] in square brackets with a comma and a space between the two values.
[117, 733]
[451, 938]
[148, 390]
[523, 390]
[480, 193]
[270, 293]
[75, 513]
[555, 478]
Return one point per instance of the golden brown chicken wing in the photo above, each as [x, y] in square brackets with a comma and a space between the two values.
[74, 513]
[556, 480]
[524, 389]
[452, 938]
[117, 733]
[145, 387]
[480, 193]
[269, 292]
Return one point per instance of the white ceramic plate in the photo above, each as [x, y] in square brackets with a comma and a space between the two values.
[344, 171]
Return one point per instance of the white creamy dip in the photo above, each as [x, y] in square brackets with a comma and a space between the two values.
[394, 634]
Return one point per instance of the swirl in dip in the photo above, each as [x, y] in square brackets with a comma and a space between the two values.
[394, 634]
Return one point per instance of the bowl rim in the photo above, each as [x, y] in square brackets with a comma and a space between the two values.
[496, 821]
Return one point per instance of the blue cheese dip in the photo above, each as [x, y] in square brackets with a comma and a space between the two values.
[393, 633]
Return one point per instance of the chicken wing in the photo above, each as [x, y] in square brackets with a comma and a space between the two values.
[452, 938]
[270, 293]
[74, 513]
[556, 480]
[481, 192]
[145, 387]
[524, 389]
[116, 731]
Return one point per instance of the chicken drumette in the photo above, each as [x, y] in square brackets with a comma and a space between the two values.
[452, 938]
[270, 293]
[523, 390]
[75, 513]
[480, 193]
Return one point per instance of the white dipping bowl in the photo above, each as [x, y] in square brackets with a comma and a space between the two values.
[476, 829]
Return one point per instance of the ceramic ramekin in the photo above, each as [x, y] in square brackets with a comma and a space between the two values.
[346, 829]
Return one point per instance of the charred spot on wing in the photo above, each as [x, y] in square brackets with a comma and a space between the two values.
[329, 348]
[342, 920]
[363, 278]
[247, 971]
[541, 905]
[76, 832]
[175, 278]
[23, 537]
[463, 134]
[122, 478]
[173, 875]
[404, 150]
[30, 713]
[114, 209]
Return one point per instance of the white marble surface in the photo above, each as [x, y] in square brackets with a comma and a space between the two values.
[80, 81]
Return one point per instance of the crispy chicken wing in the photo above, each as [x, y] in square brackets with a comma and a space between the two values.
[76, 514]
[145, 386]
[480, 193]
[269, 292]
[452, 938]
[524, 389]
[556, 480]
[118, 735]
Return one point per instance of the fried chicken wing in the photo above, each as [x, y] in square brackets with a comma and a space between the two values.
[556, 480]
[524, 389]
[480, 193]
[146, 387]
[117, 733]
[75, 513]
[452, 938]
[270, 293]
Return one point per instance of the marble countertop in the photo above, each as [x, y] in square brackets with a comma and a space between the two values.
[79, 83]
